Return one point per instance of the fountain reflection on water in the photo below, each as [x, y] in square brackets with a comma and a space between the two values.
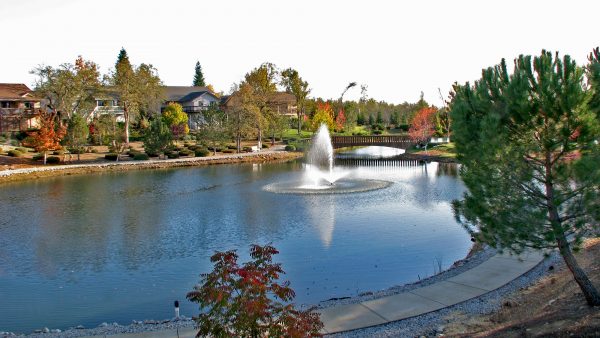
[320, 175]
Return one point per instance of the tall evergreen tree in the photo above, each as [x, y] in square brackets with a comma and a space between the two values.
[198, 76]
[527, 142]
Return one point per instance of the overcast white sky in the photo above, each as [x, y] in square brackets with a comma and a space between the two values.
[397, 48]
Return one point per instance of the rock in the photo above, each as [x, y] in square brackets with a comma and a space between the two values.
[440, 329]
[115, 324]
[46, 330]
[55, 331]
[79, 327]
[368, 293]
[37, 331]
[104, 324]
[165, 321]
[150, 321]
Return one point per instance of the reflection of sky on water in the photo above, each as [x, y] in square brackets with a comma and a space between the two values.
[116, 247]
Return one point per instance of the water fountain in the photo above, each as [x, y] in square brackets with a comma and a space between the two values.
[321, 177]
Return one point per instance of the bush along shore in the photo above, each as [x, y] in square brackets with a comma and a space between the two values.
[12, 175]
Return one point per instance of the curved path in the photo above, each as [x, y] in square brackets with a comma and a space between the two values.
[485, 277]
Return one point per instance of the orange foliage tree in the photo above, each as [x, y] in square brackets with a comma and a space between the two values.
[248, 300]
[340, 120]
[422, 126]
[49, 135]
[323, 115]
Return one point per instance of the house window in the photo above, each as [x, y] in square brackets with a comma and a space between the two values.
[100, 103]
[28, 105]
[5, 104]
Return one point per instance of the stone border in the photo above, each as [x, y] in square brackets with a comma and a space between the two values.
[12, 175]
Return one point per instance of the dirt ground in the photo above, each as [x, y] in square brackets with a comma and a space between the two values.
[553, 307]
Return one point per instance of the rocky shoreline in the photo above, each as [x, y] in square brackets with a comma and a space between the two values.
[13, 175]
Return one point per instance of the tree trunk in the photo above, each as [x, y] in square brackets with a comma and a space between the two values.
[259, 139]
[587, 288]
[589, 291]
[45, 157]
[126, 116]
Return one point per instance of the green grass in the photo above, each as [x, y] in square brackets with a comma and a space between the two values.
[294, 133]
[444, 150]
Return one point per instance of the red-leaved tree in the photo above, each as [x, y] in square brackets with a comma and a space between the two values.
[422, 126]
[340, 120]
[48, 137]
[248, 300]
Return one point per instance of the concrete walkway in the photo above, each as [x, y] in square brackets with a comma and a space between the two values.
[488, 276]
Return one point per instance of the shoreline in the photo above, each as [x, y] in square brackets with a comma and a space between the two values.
[44, 171]
[152, 325]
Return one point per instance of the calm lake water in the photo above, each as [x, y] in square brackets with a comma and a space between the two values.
[115, 247]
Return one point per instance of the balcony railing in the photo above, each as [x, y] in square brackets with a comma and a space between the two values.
[17, 111]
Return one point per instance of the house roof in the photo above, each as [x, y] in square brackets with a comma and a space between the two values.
[176, 93]
[194, 95]
[274, 98]
[16, 92]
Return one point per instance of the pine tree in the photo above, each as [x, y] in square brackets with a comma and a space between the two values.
[198, 76]
[527, 142]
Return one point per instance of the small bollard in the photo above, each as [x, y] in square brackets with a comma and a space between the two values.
[177, 309]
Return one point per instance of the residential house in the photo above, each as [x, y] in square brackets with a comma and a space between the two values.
[194, 101]
[19, 108]
[281, 102]
[108, 104]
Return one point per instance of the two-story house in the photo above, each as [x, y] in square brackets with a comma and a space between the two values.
[19, 108]
[194, 100]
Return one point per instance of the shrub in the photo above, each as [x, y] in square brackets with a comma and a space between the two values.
[377, 132]
[172, 154]
[38, 157]
[248, 300]
[152, 153]
[77, 150]
[58, 152]
[14, 143]
[21, 135]
[234, 147]
[185, 152]
[52, 160]
[201, 152]
[265, 146]
[94, 150]
[111, 156]
[247, 149]
[290, 147]
[22, 149]
[228, 151]
[141, 157]
[15, 153]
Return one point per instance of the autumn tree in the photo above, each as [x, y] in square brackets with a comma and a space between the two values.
[248, 300]
[77, 135]
[48, 137]
[198, 76]
[293, 83]
[262, 82]
[176, 119]
[527, 142]
[323, 115]
[241, 119]
[69, 88]
[139, 88]
[422, 126]
[340, 120]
